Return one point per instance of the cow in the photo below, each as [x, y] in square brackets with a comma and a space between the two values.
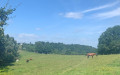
[27, 60]
[30, 58]
[91, 54]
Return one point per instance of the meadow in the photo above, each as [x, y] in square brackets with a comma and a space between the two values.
[52, 64]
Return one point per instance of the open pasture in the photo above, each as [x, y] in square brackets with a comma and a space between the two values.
[52, 64]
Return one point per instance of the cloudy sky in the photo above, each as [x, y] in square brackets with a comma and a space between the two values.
[66, 21]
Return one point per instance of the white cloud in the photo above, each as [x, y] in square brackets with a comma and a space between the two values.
[60, 14]
[24, 37]
[27, 35]
[101, 7]
[79, 15]
[37, 29]
[74, 15]
[109, 14]
[87, 30]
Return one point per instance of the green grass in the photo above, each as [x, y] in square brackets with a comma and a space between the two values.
[64, 65]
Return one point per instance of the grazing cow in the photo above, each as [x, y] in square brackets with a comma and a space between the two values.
[30, 58]
[17, 60]
[27, 60]
[91, 54]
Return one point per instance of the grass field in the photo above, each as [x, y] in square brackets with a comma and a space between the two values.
[64, 65]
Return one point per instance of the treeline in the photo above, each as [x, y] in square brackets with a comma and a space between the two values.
[8, 46]
[57, 48]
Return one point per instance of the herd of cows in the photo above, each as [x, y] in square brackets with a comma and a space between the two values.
[88, 54]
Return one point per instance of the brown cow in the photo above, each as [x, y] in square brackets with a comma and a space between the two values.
[30, 58]
[91, 54]
[27, 60]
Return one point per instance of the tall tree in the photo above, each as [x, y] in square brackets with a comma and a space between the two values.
[11, 49]
[109, 41]
[4, 13]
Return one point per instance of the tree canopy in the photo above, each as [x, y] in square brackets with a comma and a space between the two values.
[8, 46]
[109, 41]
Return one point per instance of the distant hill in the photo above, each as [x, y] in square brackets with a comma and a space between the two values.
[57, 48]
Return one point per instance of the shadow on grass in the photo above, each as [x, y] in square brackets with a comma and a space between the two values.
[4, 67]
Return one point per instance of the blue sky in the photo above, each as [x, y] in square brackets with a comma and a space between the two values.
[66, 21]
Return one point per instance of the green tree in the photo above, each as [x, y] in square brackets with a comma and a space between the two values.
[2, 48]
[4, 13]
[11, 49]
[109, 41]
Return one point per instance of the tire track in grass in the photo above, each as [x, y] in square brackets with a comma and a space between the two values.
[69, 68]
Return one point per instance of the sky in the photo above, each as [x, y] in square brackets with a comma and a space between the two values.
[66, 21]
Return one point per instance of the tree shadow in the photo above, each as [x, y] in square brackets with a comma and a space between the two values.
[4, 67]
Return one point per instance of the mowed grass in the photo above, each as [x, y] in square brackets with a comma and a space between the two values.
[51, 64]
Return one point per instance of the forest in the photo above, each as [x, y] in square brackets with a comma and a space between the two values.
[57, 48]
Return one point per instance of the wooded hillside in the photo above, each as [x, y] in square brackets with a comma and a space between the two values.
[57, 48]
